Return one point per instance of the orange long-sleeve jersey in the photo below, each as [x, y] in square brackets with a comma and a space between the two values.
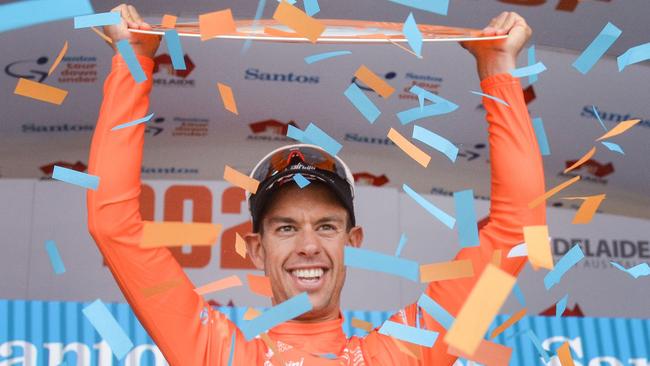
[173, 318]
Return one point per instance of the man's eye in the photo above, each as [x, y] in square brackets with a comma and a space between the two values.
[285, 228]
[327, 227]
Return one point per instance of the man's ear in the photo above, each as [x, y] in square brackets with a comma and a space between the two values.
[255, 249]
[355, 236]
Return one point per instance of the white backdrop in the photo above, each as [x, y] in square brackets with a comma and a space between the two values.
[41, 210]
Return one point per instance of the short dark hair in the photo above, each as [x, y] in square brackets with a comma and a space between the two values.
[274, 195]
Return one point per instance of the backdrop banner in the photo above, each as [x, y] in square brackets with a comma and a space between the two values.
[52, 333]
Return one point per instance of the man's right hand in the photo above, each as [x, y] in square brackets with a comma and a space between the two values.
[143, 44]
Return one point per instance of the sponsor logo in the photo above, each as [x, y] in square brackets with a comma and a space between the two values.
[355, 137]
[73, 69]
[183, 126]
[165, 75]
[598, 253]
[60, 128]
[270, 130]
[428, 82]
[48, 169]
[368, 179]
[613, 117]
[257, 74]
[445, 192]
[168, 170]
[576, 311]
[592, 171]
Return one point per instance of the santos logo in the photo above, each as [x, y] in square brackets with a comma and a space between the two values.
[588, 111]
[256, 74]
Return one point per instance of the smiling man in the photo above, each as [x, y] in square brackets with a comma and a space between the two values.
[299, 235]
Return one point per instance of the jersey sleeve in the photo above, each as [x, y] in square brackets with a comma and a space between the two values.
[173, 318]
[517, 177]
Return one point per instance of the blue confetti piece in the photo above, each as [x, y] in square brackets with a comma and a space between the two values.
[55, 257]
[75, 177]
[324, 56]
[329, 356]
[316, 136]
[561, 306]
[597, 48]
[413, 35]
[540, 133]
[406, 333]
[490, 97]
[466, 218]
[613, 147]
[232, 348]
[598, 117]
[379, 262]
[108, 328]
[289, 1]
[537, 344]
[519, 295]
[300, 180]
[20, 14]
[532, 79]
[402, 241]
[637, 271]
[311, 7]
[433, 6]
[258, 14]
[296, 133]
[97, 20]
[570, 259]
[522, 72]
[430, 207]
[634, 55]
[362, 103]
[133, 123]
[278, 314]
[436, 311]
[440, 106]
[125, 49]
[175, 49]
[436, 141]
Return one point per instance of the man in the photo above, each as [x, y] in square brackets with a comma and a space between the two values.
[299, 234]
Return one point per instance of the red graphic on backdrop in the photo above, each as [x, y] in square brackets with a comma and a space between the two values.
[370, 179]
[529, 94]
[165, 61]
[576, 311]
[271, 126]
[49, 168]
[594, 168]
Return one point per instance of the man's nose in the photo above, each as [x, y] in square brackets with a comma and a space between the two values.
[309, 245]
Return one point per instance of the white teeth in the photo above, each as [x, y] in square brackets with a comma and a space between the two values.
[308, 273]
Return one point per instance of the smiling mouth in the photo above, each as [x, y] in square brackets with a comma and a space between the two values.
[308, 279]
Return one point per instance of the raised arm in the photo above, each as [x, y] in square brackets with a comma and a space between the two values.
[172, 317]
[516, 173]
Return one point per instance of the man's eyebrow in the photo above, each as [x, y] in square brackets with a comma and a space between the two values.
[333, 218]
[281, 220]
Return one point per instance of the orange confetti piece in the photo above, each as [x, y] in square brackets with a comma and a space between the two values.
[227, 98]
[299, 21]
[539, 249]
[508, 323]
[102, 35]
[410, 349]
[588, 208]
[373, 81]
[240, 180]
[278, 33]
[446, 270]
[564, 354]
[619, 129]
[361, 324]
[38, 91]
[582, 160]
[487, 353]
[252, 313]
[260, 285]
[407, 146]
[216, 23]
[534, 203]
[478, 311]
[496, 258]
[219, 285]
[168, 21]
[240, 245]
[58, 58]
[176, 234]
[161, 287]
